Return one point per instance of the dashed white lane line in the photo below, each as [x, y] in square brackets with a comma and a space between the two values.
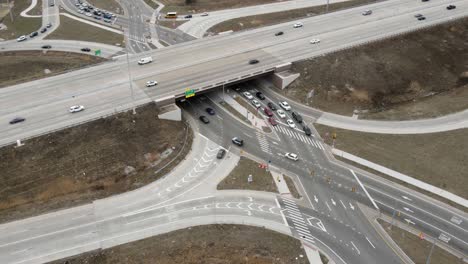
[328, 206]
[343, 205]
[359, 252]
[370, 242]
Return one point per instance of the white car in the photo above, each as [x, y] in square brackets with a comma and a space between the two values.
[367, 12]
[204, 14]
[291, 156]
[291, 123]
[247, 95]
[151, 83]
[88, 14]
[81, 11]
[298, 25]
[314, 41]
[76, 108]
[21, 38]
[281, 113]
[285, 105]
[145, 60]
[256, 103]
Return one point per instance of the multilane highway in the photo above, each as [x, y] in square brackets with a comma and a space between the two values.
[105, 89]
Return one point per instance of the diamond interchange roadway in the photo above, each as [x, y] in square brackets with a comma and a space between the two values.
[327, 217]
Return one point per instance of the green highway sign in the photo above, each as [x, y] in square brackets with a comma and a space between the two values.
[97, 52]
[189, 93]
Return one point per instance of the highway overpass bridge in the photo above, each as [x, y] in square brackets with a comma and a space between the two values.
[203, 64]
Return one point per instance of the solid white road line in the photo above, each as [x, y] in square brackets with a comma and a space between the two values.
[281, 211]
[362, 186]
[359, 252]
[328, 206]
[370, 242]
[343, 205]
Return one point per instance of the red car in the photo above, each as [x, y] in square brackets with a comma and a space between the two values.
[268, 112]
[272, 121]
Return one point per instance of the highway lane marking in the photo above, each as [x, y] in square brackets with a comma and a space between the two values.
[343, 205]
[401, 201]
[151, 208]
[315, 199]
[351, 206]
[333, 201]
[359, 252]
[370, 242]
[365, 190]
[408, 210]
[427, 223]
[327, 205]
[247, 135]
[281, 212]
[20, 251]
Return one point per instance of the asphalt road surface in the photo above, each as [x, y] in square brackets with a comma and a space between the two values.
[202, 62]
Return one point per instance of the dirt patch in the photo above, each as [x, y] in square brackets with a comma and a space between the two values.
[292, 187]
[256, 21]
[71, 29]
[438, 159]
[238, 178]
[88, 162]
[22, 66]
[37, 10]
[20, 25]
[199, 6]
[220, 244]
[151, 3]
[418, 249]
[390, 75]
[234, 112]
[108, 5]
[171, 23]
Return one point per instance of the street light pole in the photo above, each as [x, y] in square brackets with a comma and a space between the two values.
[130, 79]
[328, 2]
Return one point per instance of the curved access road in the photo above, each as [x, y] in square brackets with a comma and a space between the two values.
[449, 122]
[198, 25]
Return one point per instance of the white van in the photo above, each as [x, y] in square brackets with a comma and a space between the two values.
[145, 60]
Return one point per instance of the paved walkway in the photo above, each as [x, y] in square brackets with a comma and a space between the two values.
[198, 25]
[24, 13]
[440, 124]
[402, 177]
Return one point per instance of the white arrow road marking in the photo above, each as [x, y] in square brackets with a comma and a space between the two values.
[370, 242]
[315, 199]
[328, 206]
[408, 210]
[409, 221]
[183, 179]
[250, 199]
[351, 206]
[238, 206]
[333, 201]
[248, 212]
[359, 252]
[177, 185]
[168, 189]
[248, 206]
[343, 204]
[406, 198]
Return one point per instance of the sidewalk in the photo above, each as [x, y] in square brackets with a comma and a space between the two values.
[281, 183]
[402, 177]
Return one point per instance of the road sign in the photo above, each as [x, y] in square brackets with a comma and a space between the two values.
[250, 178]
[189, 93]
[97, 52]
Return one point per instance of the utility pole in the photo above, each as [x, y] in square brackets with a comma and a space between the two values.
[130, 77]
[428, 260]
[328, 2]
[9, 10]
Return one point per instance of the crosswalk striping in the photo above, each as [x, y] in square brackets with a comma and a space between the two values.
[298, 221]
[300, 137]
[264, 146]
